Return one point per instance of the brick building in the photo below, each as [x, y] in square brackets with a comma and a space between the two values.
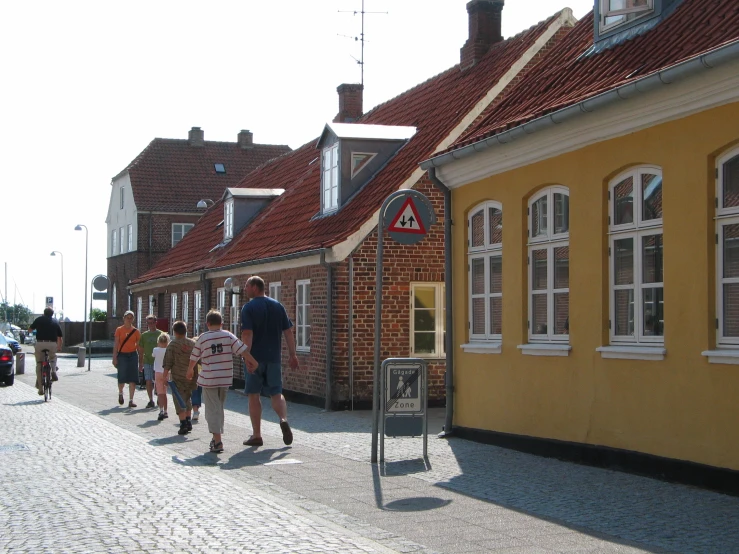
[153, 201]
[307, 223]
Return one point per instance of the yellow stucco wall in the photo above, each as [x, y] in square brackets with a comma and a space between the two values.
[681, 407]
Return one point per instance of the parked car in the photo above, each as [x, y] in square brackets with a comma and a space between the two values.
[12, 343]
[7, 367]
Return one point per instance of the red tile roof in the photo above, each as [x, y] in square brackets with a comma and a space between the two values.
[170, 175]
[289, 224]
[565, 78]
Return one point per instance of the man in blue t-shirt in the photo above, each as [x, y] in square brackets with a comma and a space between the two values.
[263, 323]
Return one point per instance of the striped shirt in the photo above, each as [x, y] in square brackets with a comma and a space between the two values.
[215, 350]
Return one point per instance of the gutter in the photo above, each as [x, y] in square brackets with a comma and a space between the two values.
[449, 341]
[329, 325]
[284, 257]
[673, 74]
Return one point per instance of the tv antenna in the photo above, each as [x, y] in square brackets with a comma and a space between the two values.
[360, 38]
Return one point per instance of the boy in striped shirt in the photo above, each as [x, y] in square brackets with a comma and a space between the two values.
[215, 349]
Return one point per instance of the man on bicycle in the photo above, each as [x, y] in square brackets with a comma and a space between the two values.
[48, 337]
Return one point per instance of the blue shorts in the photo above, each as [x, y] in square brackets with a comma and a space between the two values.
[266, 379]
[128, 367]
[148, 372]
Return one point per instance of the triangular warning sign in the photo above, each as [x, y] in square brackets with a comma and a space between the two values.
[407, 220]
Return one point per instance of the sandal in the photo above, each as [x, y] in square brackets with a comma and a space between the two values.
[287, 434]
[216, 447]
[254, 441]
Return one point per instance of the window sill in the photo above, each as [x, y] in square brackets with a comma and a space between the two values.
[492, 347]
[654, 353]
[722, 356]
[302, 350]
[545, 349]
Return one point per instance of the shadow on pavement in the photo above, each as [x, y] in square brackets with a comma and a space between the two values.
[206, 459]
[416, 504]
[621, 506]
[40, 400]
[255, 457]
[176, 439]
[406, 467]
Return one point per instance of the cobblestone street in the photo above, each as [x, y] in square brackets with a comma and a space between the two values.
[82, 474]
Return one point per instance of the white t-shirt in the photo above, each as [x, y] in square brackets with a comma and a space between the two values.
[215, 350]
[158, 354]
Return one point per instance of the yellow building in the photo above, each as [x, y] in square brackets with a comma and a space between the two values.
[601, 323]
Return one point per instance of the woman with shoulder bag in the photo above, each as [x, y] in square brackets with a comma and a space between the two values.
[126, 357]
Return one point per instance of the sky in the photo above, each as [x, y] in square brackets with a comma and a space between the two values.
[88, 84]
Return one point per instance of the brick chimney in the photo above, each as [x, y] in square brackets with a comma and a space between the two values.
[484, 17]
[196, 137]
[350, 103]
[246, 139]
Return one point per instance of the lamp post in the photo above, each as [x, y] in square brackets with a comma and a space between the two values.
[54, 253]
[84, 332]
[204, 203]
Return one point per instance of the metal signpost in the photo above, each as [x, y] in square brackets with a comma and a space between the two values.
[99, 283]
[409, 217]
[404, 401]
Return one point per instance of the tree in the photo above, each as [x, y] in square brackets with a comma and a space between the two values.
[17, 314]
[98, 315]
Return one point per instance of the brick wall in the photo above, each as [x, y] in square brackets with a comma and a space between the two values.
[423, 262]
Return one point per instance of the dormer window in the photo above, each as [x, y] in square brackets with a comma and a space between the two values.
[614, 13]
[351, 154]
[330, 178]
[228, 219]
[360, 161]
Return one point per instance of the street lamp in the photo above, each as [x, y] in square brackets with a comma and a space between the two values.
[84, 332]
[204, 203]
[54, 253]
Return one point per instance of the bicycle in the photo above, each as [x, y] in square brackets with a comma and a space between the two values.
[46, 375]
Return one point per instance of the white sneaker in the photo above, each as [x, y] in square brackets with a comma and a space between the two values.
[195, 415]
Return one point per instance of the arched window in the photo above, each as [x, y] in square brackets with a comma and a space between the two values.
[549, 265]
[727, 239]
[114, 301]
[636, 257]
[485, 259]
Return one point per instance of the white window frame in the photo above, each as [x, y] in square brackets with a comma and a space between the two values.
[221, 300]
[440, 318]
[184, 228]
[330, 178]
[228, 219]
[197, 311]
[172, 309]
[113, 242]
[606, 12]
[485, 252]
[369, 156]
[122, 197]
[151, 305]
[130, 237]
[139, 308]
[114, 303]
[275, 290]
[637, 230]
[549, 242]
[302, 340]
[724, 217]
[185, 306]
[234, 315]
[120, 242]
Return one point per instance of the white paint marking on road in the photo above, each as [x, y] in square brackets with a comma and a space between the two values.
[283, 462]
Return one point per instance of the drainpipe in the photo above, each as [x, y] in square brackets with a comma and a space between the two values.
[448, 346]
[329, 325]
[351, 331]
[150, 240]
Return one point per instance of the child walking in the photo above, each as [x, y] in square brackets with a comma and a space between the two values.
[176, 361]
[215, 349]
[160, 376]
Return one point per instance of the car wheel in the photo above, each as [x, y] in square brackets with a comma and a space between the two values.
[10, 380]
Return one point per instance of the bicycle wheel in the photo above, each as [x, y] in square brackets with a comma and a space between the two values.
[46, 380]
